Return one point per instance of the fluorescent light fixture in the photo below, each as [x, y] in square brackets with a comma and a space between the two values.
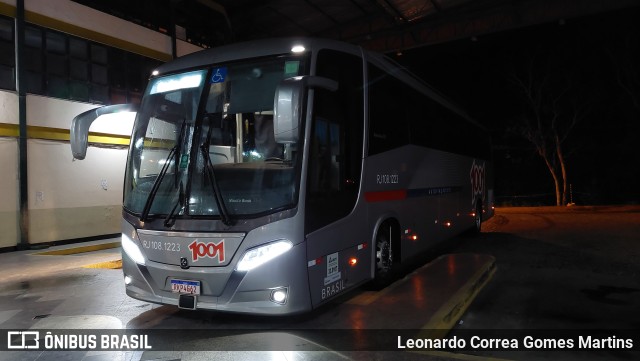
[260, 255]
[298, 49]
[132, 250]
[177, 82]
[255, 154]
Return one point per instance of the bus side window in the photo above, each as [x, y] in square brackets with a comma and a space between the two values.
[335, 156]
[388, 112]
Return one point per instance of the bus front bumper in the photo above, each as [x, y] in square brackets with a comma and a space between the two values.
[258, 291]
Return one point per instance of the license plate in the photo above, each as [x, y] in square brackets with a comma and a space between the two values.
[185, 286]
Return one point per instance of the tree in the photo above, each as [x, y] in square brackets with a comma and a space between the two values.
[553, 102]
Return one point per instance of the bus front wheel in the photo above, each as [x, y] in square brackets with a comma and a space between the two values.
[386, 255]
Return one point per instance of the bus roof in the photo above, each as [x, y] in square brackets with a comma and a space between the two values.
[251, 49]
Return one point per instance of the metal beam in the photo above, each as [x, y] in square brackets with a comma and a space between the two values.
[289, 20]
[23, 190]
[354, 3]
[393, 12]
[487, 19]
[172, 29]
[223, 11]
[320, 11]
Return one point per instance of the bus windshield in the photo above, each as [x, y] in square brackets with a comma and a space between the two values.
[207, 134]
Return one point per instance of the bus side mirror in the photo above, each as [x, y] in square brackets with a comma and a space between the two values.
[79, 130]
[288, 105]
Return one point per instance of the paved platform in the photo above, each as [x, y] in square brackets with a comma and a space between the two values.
[23, 266]
[56, 288]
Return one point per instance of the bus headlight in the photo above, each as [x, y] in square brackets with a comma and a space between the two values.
[132, 250]
[259, 255]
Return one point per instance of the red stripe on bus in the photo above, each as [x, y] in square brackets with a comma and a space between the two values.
[385, 196]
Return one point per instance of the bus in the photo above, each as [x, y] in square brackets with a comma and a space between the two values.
[269, 177]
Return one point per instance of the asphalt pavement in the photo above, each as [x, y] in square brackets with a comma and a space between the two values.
[560, 269]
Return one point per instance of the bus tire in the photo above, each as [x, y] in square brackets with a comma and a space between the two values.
[386, 253]
[477, 219]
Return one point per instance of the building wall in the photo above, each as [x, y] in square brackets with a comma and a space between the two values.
[69, 199]
[9, 173]
[8, 192]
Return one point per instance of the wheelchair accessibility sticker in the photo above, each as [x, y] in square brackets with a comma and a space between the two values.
[219, 75]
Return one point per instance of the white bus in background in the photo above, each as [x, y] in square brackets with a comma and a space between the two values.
[269, 177]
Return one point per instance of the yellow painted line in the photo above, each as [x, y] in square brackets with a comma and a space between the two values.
[35, 132]
[48, 133]
[81, 249]
[99, 138]
[446, 317]
[9, 130]
[448, 314]
[116, 264]
[7, 10]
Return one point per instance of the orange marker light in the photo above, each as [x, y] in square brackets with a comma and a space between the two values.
[414, 237]
[353, 261]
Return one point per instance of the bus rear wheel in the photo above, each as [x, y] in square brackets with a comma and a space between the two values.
[477, 219]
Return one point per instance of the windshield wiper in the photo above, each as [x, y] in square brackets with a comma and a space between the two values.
[224, 213]
[171, 218]
[156, 184]
[163, 172]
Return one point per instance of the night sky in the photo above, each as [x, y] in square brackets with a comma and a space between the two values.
[590, 65]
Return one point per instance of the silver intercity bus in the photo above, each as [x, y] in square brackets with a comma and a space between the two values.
[269, 177]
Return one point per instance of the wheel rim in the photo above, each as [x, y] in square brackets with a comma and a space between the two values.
[478, 218]
[384, 256]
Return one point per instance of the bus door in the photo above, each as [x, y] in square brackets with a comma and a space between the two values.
[335, 222]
